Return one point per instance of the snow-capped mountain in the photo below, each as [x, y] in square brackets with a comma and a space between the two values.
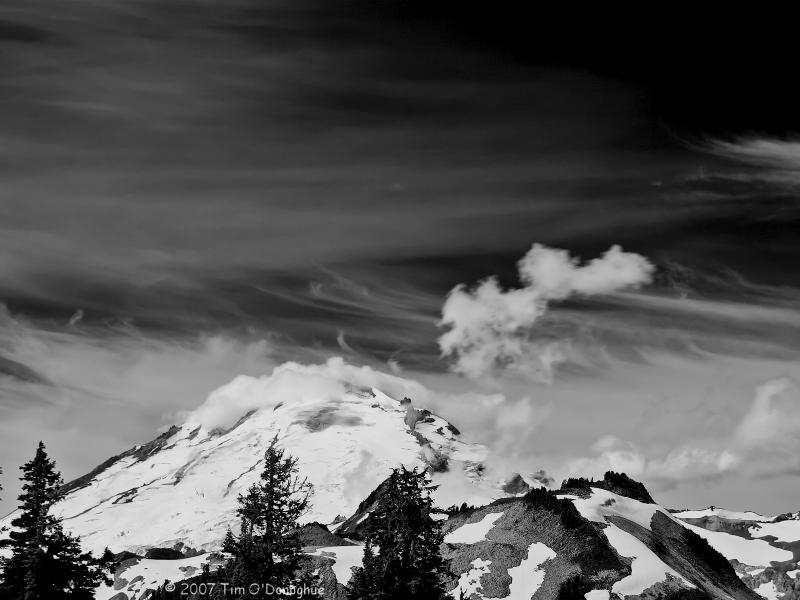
[166, 505]
[348, 427]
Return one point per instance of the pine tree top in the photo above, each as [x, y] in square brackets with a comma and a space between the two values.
[267, 548]
[402, 552]
[46, 561]
[40, 488]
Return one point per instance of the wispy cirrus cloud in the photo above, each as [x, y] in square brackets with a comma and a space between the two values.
[756, 165]
[764, 152]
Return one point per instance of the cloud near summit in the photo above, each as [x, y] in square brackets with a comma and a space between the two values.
[491, 328]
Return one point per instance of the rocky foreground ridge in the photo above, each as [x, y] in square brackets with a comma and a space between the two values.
[594, 540]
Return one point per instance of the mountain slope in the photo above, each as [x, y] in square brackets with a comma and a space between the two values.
[346, 433]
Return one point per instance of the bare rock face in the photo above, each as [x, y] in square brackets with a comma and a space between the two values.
[619, 483]
[413, 416]
[715, 523]
[356, 525]
[542, 478]
[516, 485]
[317, 535]
[778, 579]
[323, 566]
[163, 554]
[577, 557]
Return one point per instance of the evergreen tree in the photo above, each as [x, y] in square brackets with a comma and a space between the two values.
[402, 556]
[46, 563]
[267, 550]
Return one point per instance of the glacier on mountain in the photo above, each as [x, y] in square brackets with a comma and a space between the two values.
[346, 425]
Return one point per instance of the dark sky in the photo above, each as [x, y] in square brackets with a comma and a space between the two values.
[321, 174]
[192, 143]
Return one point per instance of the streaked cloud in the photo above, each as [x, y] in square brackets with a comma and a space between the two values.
[763, 152]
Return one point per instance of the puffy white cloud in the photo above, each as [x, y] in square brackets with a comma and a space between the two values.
[490, 327]
[555, 275]
[295, 382]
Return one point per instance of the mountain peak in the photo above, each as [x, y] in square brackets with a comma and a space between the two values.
[347, 426]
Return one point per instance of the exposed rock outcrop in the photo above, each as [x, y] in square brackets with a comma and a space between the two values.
[619, 483]
[317, 535]
[516, 485]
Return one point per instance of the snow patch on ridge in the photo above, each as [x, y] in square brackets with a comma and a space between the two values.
[602, 503]
[647, 568]
[768, 590]
[149, 574]
[528, 577]
[472, 533]
[722, 513]
[757, 553]
[470, 582]
[783, 531]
